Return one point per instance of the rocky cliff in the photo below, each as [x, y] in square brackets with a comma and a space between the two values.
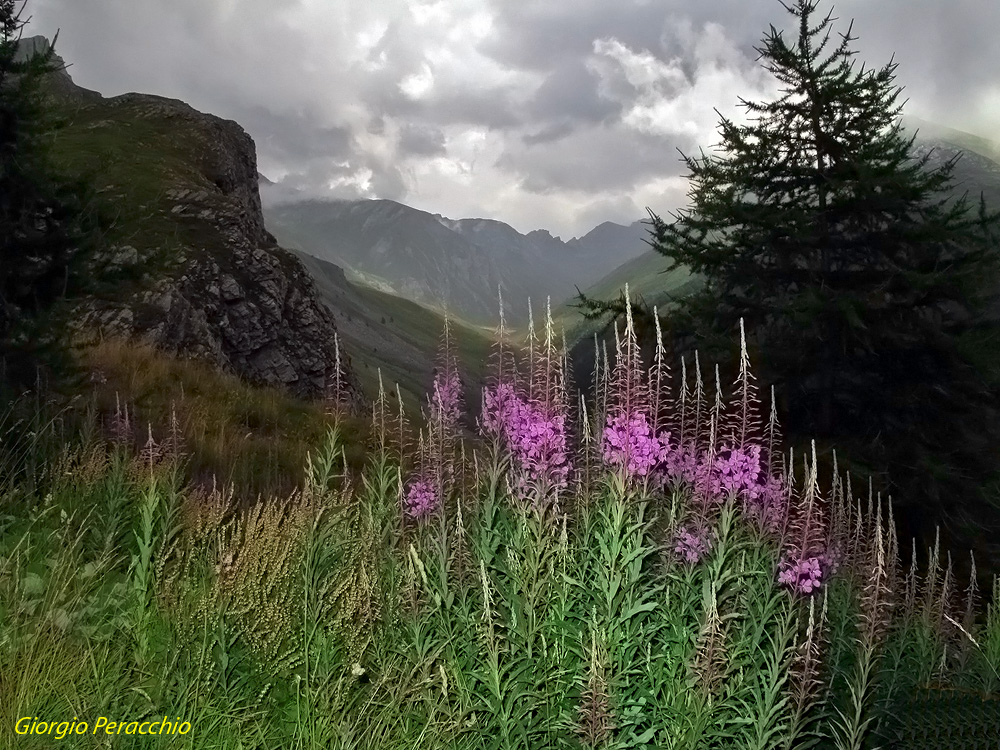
[203, 277]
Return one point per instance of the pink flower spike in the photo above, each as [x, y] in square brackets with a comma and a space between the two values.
[629, 443]
[690, 546]
[535, 437]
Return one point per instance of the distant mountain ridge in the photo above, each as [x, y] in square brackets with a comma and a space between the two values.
[458, 263]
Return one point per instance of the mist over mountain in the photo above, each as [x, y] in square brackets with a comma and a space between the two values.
[978, 168]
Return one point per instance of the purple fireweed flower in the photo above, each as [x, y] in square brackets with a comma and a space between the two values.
[741, 471]
[629, 443]
[535, 437]
[420, 499]
[768, 508]
[497, 403]
[803, 575]
[687, 464]
[691, 545]
[833, 559]
[538, 443]
[738, 472]
[681, 464]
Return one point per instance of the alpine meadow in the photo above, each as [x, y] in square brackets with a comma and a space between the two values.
[267, 480]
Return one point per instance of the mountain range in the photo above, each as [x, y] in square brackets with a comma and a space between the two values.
[455, 263]
[459, 264]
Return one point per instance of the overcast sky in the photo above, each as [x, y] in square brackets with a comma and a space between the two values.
[552, 114]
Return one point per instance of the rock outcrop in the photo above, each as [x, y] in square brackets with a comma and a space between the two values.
[59, 82]
[212, 282]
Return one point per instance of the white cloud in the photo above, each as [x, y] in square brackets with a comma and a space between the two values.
[418, 85]
[539, 113]
[661, 98]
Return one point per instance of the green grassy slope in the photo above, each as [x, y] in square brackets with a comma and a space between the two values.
[398, 336]
[648, 281]
[133, 161]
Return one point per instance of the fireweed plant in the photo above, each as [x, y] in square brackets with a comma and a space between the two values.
[646, 570]
[529, 420]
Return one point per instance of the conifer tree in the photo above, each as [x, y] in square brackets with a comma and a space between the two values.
[853, 265]
[46, 224]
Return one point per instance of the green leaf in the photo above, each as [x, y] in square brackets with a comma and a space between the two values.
[33, 584]
[638, 608]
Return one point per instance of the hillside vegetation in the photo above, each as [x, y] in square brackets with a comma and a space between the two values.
[189, 560]
[388, 333]
[546, 590]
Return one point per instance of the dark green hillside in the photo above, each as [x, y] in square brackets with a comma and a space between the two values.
[401, 337]
[411, 250]
[648, 280]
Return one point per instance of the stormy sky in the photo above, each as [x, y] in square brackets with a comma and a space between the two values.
[541, 113]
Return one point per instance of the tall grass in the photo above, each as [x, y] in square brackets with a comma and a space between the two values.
[646, 571]
[255, 438]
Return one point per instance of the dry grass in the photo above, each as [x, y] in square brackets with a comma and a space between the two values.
[255, 438]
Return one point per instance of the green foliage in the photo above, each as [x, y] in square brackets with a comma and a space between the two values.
[48, 226]
[855, 269]
[322, 620]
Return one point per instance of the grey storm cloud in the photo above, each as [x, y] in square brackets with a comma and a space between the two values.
[593, 161]
[553, 115]
[548, 134]
[421, 140]
[538, 34]
[291, 136]
[571, 91]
